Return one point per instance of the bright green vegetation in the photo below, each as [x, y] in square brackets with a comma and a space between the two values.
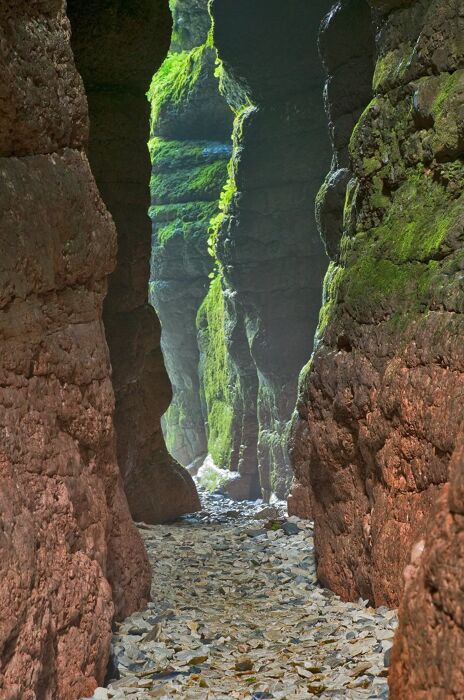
[391, 67]
[216, 378]
[230, 188]
[192, 191]
[420, 218]
[175, 80]
[451, 86]
[187, 178]
[329, 294]
[172, 155]
[189, 220]
[200, 183]
[391, 267]
[225, 200]
[447, 113]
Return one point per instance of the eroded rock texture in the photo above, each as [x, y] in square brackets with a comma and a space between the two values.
[380, 408]
[117, 49]
[430, 640]
[70, 557]
[190, 148]
[261, 311]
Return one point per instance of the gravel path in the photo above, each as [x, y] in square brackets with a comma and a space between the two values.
[237, 613]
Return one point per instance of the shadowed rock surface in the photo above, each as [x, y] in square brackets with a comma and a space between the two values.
[190, 148]
[70, 557]
[270, 256]
[117, 49]
[380, 406]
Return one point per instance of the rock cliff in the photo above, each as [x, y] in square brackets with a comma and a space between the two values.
[117, 49]
[379, 410]
[190, 147]
[262, 307]
[70, 556]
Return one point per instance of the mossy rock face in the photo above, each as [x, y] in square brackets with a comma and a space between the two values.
[269, 254]
[216, 374]
[185, 99]
[379, 409]
[200, 183]
[190, 149]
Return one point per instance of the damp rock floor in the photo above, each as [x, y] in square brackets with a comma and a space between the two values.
[237, 612]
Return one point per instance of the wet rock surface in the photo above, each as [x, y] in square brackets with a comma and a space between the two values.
[190, 149]
[236, 612]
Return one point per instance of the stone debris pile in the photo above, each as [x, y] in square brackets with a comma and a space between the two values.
[237, 613]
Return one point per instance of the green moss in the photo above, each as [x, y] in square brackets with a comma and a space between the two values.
[389, 271]
[331, 281]
[216, 379]
[203, 182]
[378, 199]
[225, 201]
[174, 155]
[176, 79]
[353, 145]
[391, 68]
[451, 86]
[189, 212]
[371, 165]
[189, 220]
[420, 218]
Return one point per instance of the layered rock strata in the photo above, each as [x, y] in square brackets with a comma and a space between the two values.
[270, 258]
[117, 49]
[190, 148]
[379, 410]
[70, 557]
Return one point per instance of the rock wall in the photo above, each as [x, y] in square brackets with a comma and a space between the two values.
[117, 48]
[379, 410]
[262, 308]
[70, 557]
[430, 639]
[190, 148]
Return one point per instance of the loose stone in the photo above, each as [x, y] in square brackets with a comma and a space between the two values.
[237, 612]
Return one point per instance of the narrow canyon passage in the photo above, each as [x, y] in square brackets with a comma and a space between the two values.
[236, 612]
[231, 259]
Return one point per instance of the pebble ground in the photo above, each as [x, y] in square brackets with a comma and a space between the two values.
[237, 613]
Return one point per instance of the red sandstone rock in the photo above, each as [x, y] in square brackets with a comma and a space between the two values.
[70, 557]
[381, 400]
[117, 54]
[429, 644]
